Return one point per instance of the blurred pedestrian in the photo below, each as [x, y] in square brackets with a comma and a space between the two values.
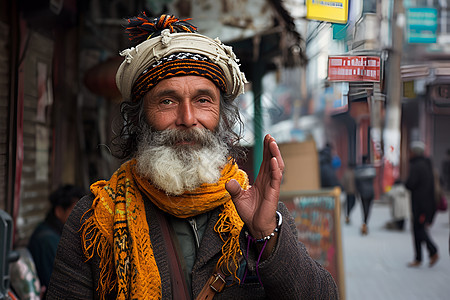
[422, 186]
[349, 187]
[399, 200]
[364, 176]
[45, 238]
[328, 176]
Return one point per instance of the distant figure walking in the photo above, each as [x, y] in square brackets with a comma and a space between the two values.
[365, 175]
[421, 184]
[349, 186]
[399, 200]
[328, 176]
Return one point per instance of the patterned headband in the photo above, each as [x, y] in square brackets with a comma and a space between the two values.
[178, 64]
[169, 47]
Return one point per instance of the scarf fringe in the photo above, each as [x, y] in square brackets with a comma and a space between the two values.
[93, 242]
[229, 221]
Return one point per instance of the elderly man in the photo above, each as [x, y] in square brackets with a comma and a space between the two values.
[179, 220]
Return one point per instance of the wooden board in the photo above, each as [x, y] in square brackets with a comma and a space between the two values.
[317, 217]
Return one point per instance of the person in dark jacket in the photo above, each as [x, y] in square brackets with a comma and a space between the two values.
[364, 176]
[45, 238]
[328, 176]
[421, 184]
[179, 219]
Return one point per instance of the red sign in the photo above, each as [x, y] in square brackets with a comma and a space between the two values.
[354, 68]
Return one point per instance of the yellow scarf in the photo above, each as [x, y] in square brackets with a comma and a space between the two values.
[117, 230]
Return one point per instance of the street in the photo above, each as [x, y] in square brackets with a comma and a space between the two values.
[376, 264]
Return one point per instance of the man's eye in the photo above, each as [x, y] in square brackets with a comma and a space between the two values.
[204, 100]
[166, 102]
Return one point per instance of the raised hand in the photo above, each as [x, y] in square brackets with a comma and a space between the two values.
[257, 206]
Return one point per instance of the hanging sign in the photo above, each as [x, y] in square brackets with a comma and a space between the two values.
[354, 68]
[421, 25]
[328, 11]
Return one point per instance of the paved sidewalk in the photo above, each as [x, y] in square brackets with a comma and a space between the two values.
[375, 265]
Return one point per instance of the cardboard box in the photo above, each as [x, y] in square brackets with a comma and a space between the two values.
[301, 171]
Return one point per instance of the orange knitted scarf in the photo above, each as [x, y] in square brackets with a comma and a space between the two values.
[117, 230]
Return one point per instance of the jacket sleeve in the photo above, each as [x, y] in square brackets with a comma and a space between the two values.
[72, 277]
[413, 177]
[420, 196]
[289, 272]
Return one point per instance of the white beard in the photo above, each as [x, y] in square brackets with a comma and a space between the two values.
[176, 168]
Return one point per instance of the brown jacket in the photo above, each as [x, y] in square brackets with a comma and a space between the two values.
[289, 273]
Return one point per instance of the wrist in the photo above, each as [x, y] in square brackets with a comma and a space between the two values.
[265, 237]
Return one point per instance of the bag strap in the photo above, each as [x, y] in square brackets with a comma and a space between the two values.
[179, 288]
[216, 283]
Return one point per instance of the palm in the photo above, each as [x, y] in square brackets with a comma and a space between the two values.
[257, 205]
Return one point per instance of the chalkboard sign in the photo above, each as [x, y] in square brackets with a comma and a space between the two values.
[317, 217]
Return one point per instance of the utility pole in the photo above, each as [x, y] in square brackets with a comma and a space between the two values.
[258, 69]
[392, 131]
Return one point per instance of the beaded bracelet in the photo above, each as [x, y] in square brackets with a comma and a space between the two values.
[251, 240]
[266, 238]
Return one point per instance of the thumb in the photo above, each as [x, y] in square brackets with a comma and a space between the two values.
[233, 188]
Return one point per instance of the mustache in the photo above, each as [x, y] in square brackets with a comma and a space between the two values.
[174, 137]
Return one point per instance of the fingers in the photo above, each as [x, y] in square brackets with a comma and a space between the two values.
[275, 152]
[266, 154]
[277, 173]
[271, 150]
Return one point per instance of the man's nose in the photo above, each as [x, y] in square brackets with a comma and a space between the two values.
[186, 115]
